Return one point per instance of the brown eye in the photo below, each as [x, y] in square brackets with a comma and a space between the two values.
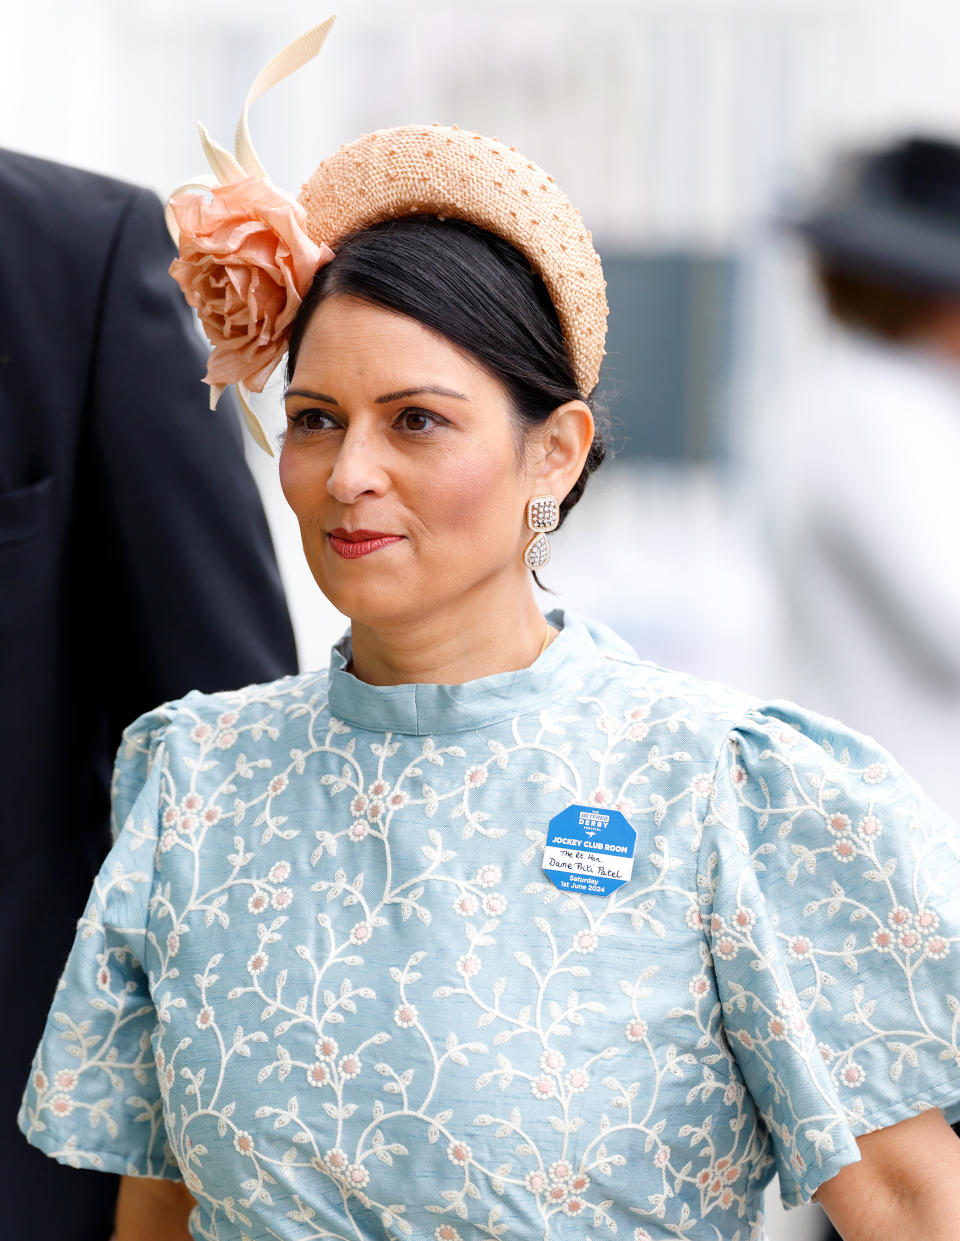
[418, 420]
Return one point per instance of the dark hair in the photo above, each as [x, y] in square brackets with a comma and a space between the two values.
[884, 306]
[474, 289]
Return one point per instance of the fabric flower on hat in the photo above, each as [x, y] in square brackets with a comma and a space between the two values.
[245, 265]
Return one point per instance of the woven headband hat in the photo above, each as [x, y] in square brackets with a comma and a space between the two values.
[249, 252]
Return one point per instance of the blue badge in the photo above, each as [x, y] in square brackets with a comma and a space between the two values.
[589, 850]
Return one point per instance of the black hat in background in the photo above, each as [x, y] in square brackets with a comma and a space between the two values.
[893, 213]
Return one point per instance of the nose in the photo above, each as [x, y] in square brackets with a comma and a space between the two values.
[357, 470]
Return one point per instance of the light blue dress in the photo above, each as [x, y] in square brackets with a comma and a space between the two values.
[323, 978]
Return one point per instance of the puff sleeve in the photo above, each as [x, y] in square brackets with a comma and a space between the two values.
[832, 888]
[93, 1099]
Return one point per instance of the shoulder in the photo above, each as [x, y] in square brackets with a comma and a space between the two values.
[62, 204]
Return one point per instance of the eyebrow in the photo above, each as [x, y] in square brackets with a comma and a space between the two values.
[380, 400]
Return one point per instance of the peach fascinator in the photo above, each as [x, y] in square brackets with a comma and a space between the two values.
[249, 251]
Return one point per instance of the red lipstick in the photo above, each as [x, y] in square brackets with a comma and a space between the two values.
[352, 544]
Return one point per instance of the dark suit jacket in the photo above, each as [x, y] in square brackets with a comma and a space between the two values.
[135, 564]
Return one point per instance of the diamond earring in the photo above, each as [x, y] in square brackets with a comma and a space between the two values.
[543, 515]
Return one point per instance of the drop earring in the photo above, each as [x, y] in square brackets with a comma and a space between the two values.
[543, 515]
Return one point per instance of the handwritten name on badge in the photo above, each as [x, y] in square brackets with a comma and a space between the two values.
[589, 850]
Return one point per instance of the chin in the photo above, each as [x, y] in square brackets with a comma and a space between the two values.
[375, 603]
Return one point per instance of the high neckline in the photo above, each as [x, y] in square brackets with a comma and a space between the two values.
[423, 709]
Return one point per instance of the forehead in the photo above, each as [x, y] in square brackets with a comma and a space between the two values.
[352, 343]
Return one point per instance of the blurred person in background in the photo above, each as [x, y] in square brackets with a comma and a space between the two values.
[866, 503]
[135, 564]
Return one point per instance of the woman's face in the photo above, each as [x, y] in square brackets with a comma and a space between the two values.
[400, 462]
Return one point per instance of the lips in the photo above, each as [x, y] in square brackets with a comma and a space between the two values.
[352, 544]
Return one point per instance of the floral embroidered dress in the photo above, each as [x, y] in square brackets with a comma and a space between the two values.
[323, 978]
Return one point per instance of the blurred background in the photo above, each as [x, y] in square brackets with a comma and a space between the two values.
[681, 128]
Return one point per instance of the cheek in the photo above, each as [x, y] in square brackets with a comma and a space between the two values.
[301, 483]
[479, 492]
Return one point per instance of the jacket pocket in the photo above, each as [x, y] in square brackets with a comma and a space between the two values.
[26, 511]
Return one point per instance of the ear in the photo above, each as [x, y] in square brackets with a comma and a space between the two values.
[566, 440]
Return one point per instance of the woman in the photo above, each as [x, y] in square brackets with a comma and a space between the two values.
[492, 929]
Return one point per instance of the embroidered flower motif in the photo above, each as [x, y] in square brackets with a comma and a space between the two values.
[326, 1049]
[838, 823]
[535, 1182]
[350, 1065]
[494, 905]
[799, 948]
[882, 940]
[405, 1016]
[574, 1206]
[743, 918]
[278, 784]
[580, 1183]
[200, 732]
[777, 1027]
[188, 824]
[717, 923]
[844, 850]
[227, 719]
[167, 841]
[738, 776]
[466, 905]
[171, 817]
[638, 732]
[282, 898]
[870, 827]
[607, 724]
[40, 1081]
[926, 920]
[337, 1160]
[542, 1087]
[899, 917]
[103, 978]
[358, 830]
[258, 902]
[245, 264]
[374, 811]
[205, 1017]
[662, 1157]
[937, 947]
[876, 773]
[459, 1153]
[396, 801]
[173, 943]
[744, 1037]
[852, 1075]
[379, 788]
[556, 1192]
[726, 948]
[561, 1170]
[693, 918]
[489, 876]
[65, 1079]
[475, 776]
[358, 805]
[61, 1105]
[279, 872]
[703, 786]
[192, 802]
[257, 963]
[601, 797]
[585, 942]
[636, 1030]
[446, 1232]
[361, 933]
[243, 1142]
[212, 814]
[227, 739]
[318, 1075]
[552, 1061]
[826, 1051]
[468, 965]
[577, 1080]
[909, 940]
[357, 1176]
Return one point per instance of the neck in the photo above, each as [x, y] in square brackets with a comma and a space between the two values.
[462, 643]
